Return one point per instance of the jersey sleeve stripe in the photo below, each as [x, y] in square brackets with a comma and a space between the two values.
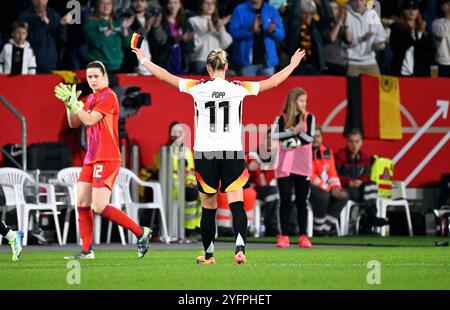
[251, 87]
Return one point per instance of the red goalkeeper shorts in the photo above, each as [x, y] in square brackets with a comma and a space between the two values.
[100, 174]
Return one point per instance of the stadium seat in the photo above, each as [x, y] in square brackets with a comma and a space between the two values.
[123, 194]
[345, 216]
[16, 179]
[399, 200]
[68, 178]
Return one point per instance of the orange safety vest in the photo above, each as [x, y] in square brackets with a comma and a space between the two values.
[324, 174]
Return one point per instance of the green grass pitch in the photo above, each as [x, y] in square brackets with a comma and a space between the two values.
[405, 264]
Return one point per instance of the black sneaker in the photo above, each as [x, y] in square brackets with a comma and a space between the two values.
[144, 241]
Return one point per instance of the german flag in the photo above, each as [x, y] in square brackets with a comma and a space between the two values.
[374, 107]
[136, 40]
[380, 103]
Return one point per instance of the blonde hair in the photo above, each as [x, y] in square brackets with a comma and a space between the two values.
[217, 59]
[290, 107]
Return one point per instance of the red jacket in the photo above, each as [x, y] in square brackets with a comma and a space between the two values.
[349, 169]
[324, 174]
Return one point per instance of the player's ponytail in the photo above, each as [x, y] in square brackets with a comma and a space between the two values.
[217, 59]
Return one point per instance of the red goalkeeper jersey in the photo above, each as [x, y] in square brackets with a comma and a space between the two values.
[103, 137]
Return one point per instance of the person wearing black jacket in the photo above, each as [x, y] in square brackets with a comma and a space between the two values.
[306, 33]
[47, 33]
[411, 44]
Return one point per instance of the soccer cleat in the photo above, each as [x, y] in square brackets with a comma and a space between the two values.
[239, 258]
[144, 241]
[16, 245]
[304, 242]
[82, 255]
[282, 241]
[203, 261]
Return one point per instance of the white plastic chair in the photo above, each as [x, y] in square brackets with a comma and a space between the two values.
[16, 179]
[398, 200]
[123, 195]
[345, 216]
[257, 219]
[68, 177]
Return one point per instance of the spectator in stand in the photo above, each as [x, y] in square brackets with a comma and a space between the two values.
[353, 167]
[106, 35]
[327, 196]
[305, 33]
[144, 19]
[10, 10]
[335, 39]
[209, 34]
[17, 56]
[256, 28]
[441, 30]
[46, 33]
[74, 53]
[172, 38]
[367, 36]
[411, 45]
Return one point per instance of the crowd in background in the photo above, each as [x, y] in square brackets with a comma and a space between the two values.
[412, 37]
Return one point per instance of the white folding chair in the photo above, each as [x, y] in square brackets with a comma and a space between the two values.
[16, 179]
[398, 200]
[123, 189]
[68, 177]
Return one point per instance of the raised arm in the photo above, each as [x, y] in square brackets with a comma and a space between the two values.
[280, 76]
[161, 73]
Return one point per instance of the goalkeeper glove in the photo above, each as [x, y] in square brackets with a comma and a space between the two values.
[69, 95]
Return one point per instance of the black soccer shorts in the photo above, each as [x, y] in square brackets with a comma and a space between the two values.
[224, 170]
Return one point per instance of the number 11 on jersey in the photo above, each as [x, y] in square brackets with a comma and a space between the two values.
[225, 105]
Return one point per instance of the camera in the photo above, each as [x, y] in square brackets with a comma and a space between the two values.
[131, 99]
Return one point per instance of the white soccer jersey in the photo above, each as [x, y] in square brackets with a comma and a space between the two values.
[218, 112]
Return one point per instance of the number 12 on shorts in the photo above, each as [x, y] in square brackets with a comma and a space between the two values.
[98, 169]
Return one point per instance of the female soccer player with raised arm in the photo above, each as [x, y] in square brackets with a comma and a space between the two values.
[101, 164]
[219, 156]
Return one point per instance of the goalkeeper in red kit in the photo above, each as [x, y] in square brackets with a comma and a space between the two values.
[100, 115]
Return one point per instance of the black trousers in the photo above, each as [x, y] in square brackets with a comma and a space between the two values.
[324, 204]
[301, 186]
